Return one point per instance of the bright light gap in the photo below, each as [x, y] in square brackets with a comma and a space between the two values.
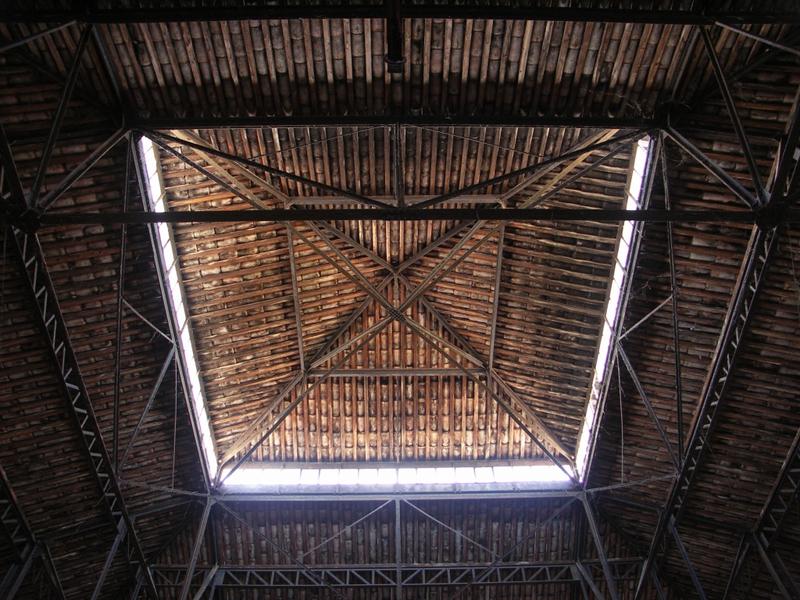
[360, 476]
[270, 476]
[613, 307]
[169, 263]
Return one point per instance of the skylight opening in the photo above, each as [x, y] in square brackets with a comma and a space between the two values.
[266, 477]
[169, 264]
[605, 354]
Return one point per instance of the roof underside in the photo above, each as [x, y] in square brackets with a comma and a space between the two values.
[522, 310]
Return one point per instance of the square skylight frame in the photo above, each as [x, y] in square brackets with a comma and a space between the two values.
[369, 475]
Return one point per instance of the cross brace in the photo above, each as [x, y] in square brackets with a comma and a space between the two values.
[378, 575]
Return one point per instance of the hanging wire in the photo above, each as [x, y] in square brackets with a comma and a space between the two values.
[356, 132]
[621, 428]
[174, 420]
[442, 133]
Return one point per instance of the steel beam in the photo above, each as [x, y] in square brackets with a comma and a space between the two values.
[780, 577]
[398, 372]
[748, 287]
[403, 120]
[733, 113]
[148, 405]
[648, 405]
[61, 109]
[398, 551]
[760, 38]
[768, 527]
[12, 520]
[123, 246]
[442, 10]
[43, 294]
[45, 301]
[599, 547]
[374, 576]
[13, 579]
[544, 164]
[757, 259]
[673, 284]
[709, 165]
[254, 164]
[421, 493]
[82, 168]
[34, 36]
[15, 528]
[207, 581]
[198, 544]
[522, 215]
[783, 496]
[687, 561]
[98, 588]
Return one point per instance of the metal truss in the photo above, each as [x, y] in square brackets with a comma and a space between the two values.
[52, 321]
[386, 575]
[767, 530]
[222, 175]
[26, 549]
[759, 254]
[43, 296]
[514, 11]
[749, 283]
[784, 495]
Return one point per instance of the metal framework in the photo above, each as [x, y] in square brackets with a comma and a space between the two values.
[25, 547]
[377, 10]
[768, 209]
[398, 575]
[375, 576]
[767, 530]
[757, 259]
[43, 298]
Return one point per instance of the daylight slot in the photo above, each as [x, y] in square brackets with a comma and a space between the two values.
[613, 308]
[268, 477]
[169, 263]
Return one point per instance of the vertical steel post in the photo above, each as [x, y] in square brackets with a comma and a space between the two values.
[601, 552]
[673, 282]
[398, 551]
[121, 533]
[120, 288]
[198, 544]
[14, 578]
[210, 575]
[55, 126]
[782, 580]
[689, 565]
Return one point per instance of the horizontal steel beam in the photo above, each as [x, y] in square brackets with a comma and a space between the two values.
[410, 200]
[445, 10]
[32, 221]
[390, 575]
[399, 372]
[390, 120]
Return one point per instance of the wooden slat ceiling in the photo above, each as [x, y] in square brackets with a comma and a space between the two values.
[238, 282]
